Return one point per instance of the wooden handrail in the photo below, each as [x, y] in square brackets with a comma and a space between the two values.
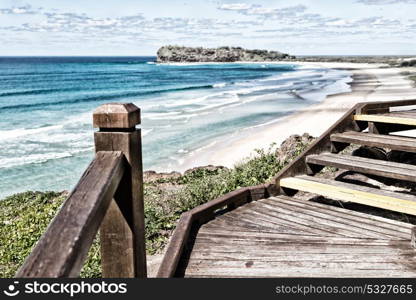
[108, 196]
[62, 249]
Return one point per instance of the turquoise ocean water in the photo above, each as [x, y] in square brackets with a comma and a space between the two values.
[46, 104]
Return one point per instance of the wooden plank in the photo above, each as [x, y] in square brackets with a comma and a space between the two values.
[271, 220]
[326, 225]
[376, 220]
[205, 212]
[250, 219]
[300, 240]
[299, 256]
[62, 249]
[361, 229]
[282, 266]
[244, 227]
[402, 113]
[349, 192]
[386, 119]
[286, 270]
[375, 107]
[232, 234]
[295, 273]
[393, 142]
[364, 165]
[287, 248]
[358, 221]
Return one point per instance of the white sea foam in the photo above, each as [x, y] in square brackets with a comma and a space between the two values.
[16, 133]
[219, 85]
[146, 131]
[31, 159]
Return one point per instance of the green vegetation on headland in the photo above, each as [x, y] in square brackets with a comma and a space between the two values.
[410, 75]
[25, 216]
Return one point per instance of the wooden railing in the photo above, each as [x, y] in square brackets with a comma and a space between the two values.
[109, 197]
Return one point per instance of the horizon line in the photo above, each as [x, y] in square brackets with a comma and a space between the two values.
[144, 55]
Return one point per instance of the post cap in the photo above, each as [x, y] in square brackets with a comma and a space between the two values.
[116, 115]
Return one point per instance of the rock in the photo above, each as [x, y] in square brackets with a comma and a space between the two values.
[370, 152]
[205, 169]
[290, 147]
[407, 62]
[222, 54]
[150, 176]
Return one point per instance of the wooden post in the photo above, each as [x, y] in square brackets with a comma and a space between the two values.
[413, 237]
[123, 252]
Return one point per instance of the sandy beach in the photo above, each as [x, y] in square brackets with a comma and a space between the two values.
[371, 82]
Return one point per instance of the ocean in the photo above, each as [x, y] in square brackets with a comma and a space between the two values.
[46, 105]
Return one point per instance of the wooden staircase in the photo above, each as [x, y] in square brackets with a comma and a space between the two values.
[273, 230]
[338, 190]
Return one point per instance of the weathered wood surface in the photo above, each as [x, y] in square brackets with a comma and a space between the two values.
[122, 235]
[363, 165]
[200, 215]
[393, 142]
[116, 115]
[63, 247]
[269, 251]
[413, 237]
[387, 118]
[383, 106]
[337, 190]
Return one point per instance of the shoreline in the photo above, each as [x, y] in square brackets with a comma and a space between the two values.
[370, 82]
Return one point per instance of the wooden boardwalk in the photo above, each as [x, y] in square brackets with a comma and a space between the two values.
[286, 237]
[268, 231]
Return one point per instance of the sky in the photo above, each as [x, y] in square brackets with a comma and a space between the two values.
[140, 27]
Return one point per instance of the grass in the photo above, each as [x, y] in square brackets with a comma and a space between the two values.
[25, 216]
[410, 75]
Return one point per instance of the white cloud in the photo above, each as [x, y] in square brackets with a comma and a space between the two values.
[260, 11]
[20, 10]
[385, 2]
[237, 6]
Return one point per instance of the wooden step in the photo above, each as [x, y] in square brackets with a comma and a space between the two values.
[390, 118]
[342, 191]
[393, 142]
[365, 165]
